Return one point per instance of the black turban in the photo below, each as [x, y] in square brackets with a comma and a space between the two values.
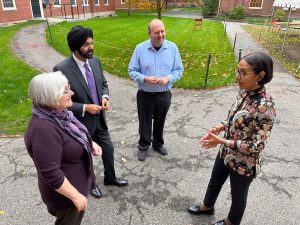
[78, 36]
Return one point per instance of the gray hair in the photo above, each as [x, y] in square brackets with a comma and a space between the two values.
[46, 89]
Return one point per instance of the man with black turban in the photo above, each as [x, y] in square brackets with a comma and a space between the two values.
[90, 99]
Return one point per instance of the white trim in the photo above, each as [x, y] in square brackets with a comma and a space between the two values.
[85, 3]
[262, 3]
[75, 3]
[106, 2]
[122, 2]
[9, 8]
[98, 3]
[41, 8]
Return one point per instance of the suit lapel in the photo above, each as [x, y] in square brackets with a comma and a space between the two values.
[79, 76]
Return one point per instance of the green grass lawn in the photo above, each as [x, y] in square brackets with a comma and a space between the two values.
[116, 37]
[14, 77]
[272, 40]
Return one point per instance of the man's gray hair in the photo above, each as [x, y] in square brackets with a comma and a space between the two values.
[46, 89]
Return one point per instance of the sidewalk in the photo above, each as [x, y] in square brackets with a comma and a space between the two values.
[161, 188]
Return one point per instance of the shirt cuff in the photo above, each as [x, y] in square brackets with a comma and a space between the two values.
[105, 96]
[83, 110]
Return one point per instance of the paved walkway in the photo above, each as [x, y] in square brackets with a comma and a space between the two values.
[161, 188]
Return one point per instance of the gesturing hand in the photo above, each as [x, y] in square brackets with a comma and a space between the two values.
[92, 108]
[210, 140]
[105, 104]
[151, 79]
[163, 80]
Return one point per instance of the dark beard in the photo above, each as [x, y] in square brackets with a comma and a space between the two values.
[88, 54]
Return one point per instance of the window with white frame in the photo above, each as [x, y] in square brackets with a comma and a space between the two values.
[73, 2]
[122, 2]
[97, 2]
[256, 4]
[85, 2]
[56, 2]
[105, 2]
[9, 4]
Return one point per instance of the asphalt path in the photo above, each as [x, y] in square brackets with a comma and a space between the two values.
[161, 188]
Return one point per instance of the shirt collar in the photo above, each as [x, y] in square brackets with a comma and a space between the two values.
[79, 62]
[164, 45]
[257, 91]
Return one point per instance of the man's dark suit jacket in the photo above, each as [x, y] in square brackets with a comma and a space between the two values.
[82, 94]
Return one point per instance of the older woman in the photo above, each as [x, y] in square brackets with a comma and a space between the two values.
[61, 149]
[246, 130]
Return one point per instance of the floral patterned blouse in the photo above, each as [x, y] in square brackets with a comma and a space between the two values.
[249, 124]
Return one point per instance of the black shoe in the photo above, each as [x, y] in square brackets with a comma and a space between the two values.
[118, 182]
[221, 222]
[95, 191]
[142, 155]
[195, 210]
[162, 150]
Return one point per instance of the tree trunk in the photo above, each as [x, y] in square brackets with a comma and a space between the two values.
[129, 8]
[158, 9]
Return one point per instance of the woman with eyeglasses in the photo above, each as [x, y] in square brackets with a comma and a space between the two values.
[61, 149]
[246, 130]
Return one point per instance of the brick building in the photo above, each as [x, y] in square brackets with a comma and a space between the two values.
[253, 7]
[10, 10]
[18, 10]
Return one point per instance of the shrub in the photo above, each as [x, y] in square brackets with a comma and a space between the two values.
[237, 13]
[210, 8]
[279, 14]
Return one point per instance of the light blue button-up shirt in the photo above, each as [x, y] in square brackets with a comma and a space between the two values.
[146, 61]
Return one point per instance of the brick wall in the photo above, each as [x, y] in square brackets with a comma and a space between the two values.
[119, 5]
[22, 12]
[91, 10]
[266, 10]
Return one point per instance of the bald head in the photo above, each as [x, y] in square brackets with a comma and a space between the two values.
[154, 22]
[156, 31]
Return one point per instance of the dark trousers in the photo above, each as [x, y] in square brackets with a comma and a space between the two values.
[152, 105]
[102, 138]
[68, 216]
[239, 189]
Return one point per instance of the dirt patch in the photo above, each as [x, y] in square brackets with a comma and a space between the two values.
[292, 53]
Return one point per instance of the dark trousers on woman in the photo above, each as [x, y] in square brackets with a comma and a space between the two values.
[68, 216]
[239, 189]
[152, 105]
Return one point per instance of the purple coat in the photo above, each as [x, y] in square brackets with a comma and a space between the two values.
[56, 155]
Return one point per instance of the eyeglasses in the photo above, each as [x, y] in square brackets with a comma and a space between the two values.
[67, 90]
[242, 73]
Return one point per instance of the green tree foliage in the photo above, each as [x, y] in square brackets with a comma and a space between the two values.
[147, 5]
[279, 14]
[210, 8]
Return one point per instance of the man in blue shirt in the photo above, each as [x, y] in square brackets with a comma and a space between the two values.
[155, 65]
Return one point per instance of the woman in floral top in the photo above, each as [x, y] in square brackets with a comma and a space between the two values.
[246, 130]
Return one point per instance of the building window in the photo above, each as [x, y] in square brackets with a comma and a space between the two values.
[105, 2]
[256, 3]
[96, 2]
[85, 2]
[122, 2]
[56, 2]
[9, 4]
[73, 2]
